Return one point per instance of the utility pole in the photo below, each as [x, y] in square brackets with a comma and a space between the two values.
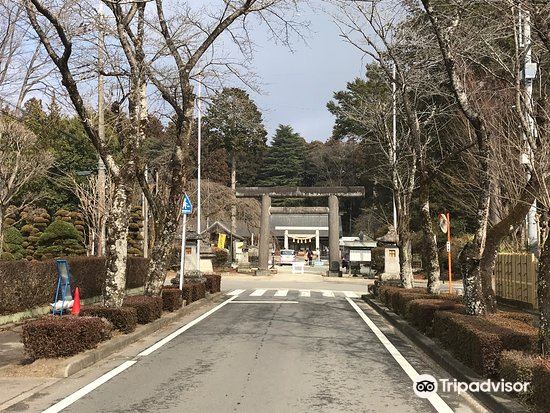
[199, 140]
[394, 139]
[101, 173]
[529, 74]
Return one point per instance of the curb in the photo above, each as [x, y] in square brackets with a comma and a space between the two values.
[90, 357]
[348, 280]
[497, 402]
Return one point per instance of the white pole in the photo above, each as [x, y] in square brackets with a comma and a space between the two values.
[182, 259]
[531, 220]
[394, 139]
[199, 138]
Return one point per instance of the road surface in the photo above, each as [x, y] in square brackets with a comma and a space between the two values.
[261, 350]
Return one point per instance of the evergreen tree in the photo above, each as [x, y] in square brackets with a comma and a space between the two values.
[285, 160]
[234, 123]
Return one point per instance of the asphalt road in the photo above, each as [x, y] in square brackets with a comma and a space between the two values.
[272, 351]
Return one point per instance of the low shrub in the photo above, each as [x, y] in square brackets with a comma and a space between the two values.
[541, 384]
[221, 256]
[479, 341]
[213, 283]
[148, 308]
[516, 366]
[421, 312]
[523, 317]
[123, 319]
[197, 290]
[187, 293]
[63, 336]
[171, 299]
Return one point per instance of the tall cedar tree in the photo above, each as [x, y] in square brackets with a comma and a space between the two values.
[285, 160]
[233, 122]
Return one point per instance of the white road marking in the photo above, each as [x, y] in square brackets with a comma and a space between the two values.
[258, 293]
[67, 401]
[186, 327]
[281, 293]
[264, 302]
[305, 293]
[327, 293]
[436, 401]
[236, 292]
[351, 294]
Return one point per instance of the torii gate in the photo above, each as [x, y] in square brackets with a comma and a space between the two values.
[332, 193]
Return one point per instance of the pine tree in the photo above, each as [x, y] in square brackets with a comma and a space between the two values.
[285, 160]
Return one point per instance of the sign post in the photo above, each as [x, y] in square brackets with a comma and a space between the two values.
[186, 209]
[445, 225]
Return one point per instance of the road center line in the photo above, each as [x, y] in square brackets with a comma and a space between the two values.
[67, 401]
[436, 401]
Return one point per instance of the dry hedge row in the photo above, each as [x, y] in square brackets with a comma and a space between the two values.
[30, 284]
[147, 308]
[55, 336]
[124, 319]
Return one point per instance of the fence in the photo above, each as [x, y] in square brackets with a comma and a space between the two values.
[515, 278]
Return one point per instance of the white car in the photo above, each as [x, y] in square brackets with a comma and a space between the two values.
[288, 257]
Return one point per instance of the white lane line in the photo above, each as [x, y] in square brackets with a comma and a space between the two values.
[258, 293]
[264, 302]
[236, 292]
[186, 327]
[281, 293]
[351, 294]
[305, 293]
[436, 401]
[327, 293]
[67, 401]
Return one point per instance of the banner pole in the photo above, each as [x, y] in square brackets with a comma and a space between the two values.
[182, 259]
[449, 253]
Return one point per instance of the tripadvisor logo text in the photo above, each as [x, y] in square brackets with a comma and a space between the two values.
[425, 385]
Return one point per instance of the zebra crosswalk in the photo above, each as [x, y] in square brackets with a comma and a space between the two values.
[284, 292]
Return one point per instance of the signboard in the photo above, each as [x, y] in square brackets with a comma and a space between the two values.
[443, 223]
[187, 207]
[221, 240]
[360, 255]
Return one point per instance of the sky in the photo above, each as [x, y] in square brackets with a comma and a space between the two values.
[297, 86]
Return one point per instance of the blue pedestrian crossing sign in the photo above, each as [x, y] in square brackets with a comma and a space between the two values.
[187, 207]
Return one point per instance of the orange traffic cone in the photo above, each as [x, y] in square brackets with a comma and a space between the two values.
[76, 304]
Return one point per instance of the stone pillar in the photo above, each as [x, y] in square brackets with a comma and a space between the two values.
[286, 239]
[333, 234]
[263, 259]
[317, 245]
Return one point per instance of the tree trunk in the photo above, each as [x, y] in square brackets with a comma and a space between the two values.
[233, 206]
[117, 248]
[1, 229]
[165, 230]
[405, 251]
[430, 254]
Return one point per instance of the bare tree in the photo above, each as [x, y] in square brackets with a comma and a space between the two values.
[21, 160]
[117, 156]
[184, 48]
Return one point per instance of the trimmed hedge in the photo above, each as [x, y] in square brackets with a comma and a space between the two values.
[517, 366]
[30, 284]
[479, 341]
[398, 298]
[172, 299]
[421, 312]
[63, 336]
[123, 319]
[148, 308]
[193, 291]
[213, 283]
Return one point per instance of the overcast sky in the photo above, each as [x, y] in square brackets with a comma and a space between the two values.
[298, 85]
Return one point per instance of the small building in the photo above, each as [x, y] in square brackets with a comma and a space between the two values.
[301, 231]
[357, 251]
